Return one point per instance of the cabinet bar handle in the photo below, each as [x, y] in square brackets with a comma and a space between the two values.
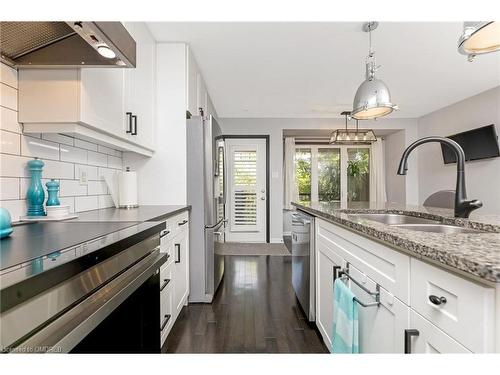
[164, 232]
[129, 115]
[408, 335]
[178, 248]
[134, 132]
[165, 321]
[182, 222]
[165, 283]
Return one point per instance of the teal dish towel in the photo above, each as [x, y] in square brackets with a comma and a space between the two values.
[345, 319]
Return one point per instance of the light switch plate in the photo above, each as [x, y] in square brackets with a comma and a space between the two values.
[83, 177]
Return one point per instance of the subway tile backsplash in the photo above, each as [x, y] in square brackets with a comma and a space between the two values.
[65, 159]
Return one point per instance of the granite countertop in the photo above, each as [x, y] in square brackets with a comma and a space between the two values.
[474, 254]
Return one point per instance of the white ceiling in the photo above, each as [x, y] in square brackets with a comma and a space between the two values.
[313, 69]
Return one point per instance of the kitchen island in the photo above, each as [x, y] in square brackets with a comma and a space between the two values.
[432, 288]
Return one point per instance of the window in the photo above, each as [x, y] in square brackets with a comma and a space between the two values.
[303, 161]
[333, 173]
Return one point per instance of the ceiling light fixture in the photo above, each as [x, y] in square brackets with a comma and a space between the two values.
[479, 38]
[106, 52]
[373, 98]
[352, 136]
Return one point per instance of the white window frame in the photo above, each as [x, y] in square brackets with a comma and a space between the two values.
[343, 168]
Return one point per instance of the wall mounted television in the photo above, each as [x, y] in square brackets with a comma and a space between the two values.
[479, 143]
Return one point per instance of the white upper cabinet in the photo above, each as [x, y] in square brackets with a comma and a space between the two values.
[197, 96]
[191, 84]
[140, 87]
[113, 106]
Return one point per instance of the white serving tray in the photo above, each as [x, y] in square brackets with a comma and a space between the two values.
[47, 218]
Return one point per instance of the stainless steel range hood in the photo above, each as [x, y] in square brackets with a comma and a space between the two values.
[66, 45]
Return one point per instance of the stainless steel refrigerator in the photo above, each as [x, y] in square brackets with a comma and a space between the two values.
[206, 194]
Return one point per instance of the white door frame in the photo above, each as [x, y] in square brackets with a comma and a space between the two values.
[267, 205]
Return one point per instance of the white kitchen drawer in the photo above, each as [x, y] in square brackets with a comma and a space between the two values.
[166, 302]
[178, 223]
[387, 267]
[430, 339]
[468, 313]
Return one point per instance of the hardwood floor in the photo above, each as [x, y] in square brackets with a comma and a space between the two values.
[254, 311]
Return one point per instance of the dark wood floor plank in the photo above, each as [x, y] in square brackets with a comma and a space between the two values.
[254, 311]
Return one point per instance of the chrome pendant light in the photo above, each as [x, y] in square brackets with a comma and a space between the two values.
[479, 38]
[373, 98]
[352, 136]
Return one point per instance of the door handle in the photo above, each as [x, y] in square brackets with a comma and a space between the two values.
[182, 222]
[134, 118]
[409, 333]
[164, 232]
[129, 115]
[178, 248]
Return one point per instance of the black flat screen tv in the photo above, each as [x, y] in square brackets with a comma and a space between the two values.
[480, 143]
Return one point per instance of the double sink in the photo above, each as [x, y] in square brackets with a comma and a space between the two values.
[412, 223]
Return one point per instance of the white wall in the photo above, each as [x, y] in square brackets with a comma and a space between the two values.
[162, 178]
[482, 176]
[63, 156]
[395, 144]
[274, 128]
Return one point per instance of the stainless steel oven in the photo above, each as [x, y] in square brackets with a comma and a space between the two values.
[303, 262]
[108, 306]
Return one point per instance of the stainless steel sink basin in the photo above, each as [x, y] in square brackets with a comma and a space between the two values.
[438, 228]
[391, 219]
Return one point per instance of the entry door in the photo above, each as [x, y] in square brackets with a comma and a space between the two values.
[247, 190]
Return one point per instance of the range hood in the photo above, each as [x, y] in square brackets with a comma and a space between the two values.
[66, 45]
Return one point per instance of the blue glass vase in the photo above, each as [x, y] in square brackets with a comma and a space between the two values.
[52, 190]
[35, 194]
[5, 223]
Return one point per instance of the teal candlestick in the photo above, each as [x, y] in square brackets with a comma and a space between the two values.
[35, 194]
[53, 189]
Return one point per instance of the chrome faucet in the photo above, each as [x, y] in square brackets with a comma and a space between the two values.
[463, 207]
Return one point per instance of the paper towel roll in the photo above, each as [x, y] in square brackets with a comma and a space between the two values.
[127, 189]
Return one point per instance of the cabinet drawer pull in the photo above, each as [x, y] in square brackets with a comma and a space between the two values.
[129, 115]
[134, 132]
[182, 222]
[164, 285]
[408, 335]
[178, 248]
[164, 232]
[165, 321]
[437, 300]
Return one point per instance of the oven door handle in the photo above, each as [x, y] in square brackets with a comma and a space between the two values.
[64, 333]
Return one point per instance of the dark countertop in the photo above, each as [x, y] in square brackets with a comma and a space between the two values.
[35, 240]
[476, 255]
[141, 213]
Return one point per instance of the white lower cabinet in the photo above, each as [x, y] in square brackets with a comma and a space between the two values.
[174, 274]
[409, 318]
[181, 272]
[381, 328]
[325, 268]
[427, 338]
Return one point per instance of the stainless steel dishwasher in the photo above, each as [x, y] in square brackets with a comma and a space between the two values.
[303, 262]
